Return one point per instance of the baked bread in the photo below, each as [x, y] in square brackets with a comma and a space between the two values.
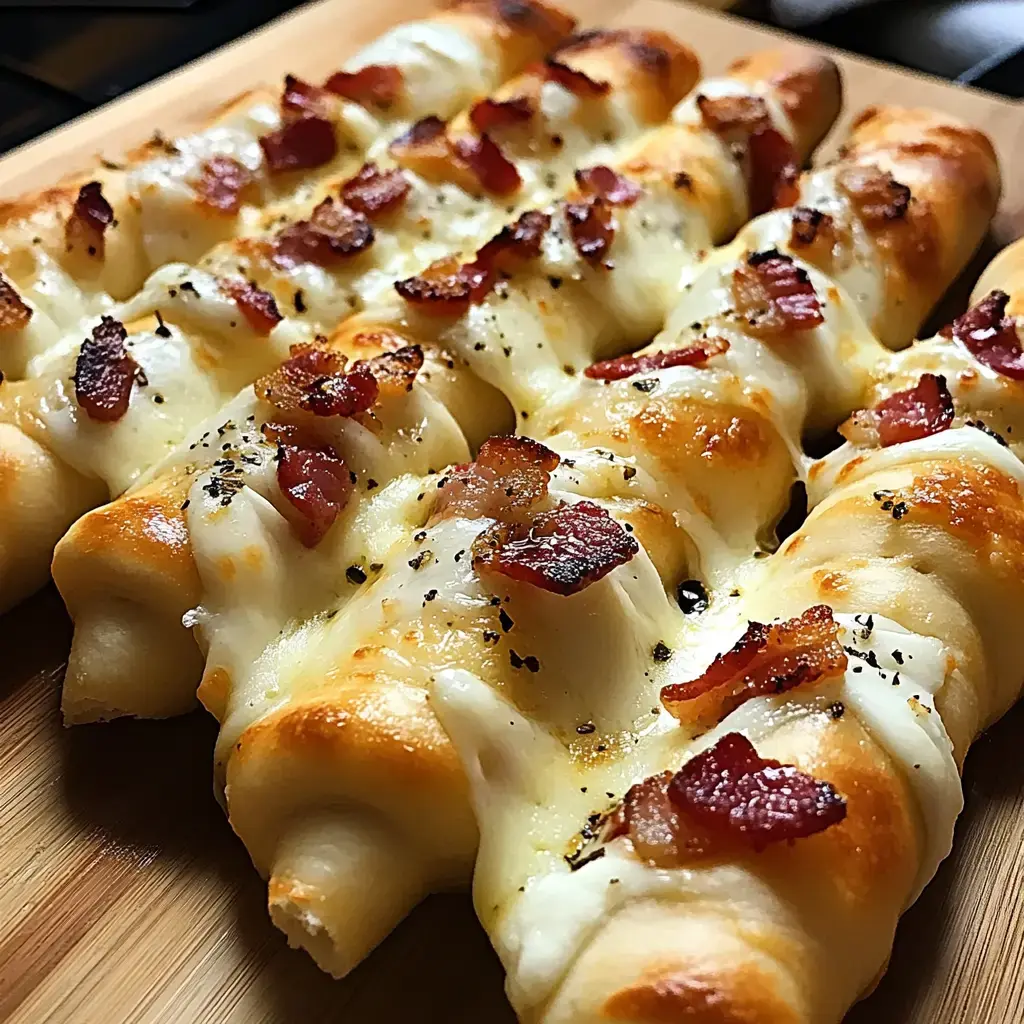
[74, 250]
[796, 785]
[199, 333]
[108, 561]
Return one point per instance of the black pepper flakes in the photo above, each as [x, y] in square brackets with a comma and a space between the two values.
[505, 619]
[430, 595]
[355, 575]
[586, 728]
[491, 636]
[162, 330]
[647, 385]
[418, 561]
[692, 597]
[661, 652]
[836, 709]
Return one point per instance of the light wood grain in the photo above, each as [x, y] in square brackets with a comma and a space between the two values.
[124, 896]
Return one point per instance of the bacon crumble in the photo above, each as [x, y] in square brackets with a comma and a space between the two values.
[744, 124]
[990, 335]
[222, 181]
[105, 372]
[774, 295]
[724, 800]
[577, 82]
[918, 412]
[649, 362]
[809, 226]
[611, 186]
[878, 197]
[88, 221]
[487, 115]
[376, 85]
[15, 314]
[372, 191]
[591, 226]
[257, 306]
[300, 144]
[333, 234]
[303, 99]
[447, 288]
[563, 550]
[483, 156]
[317, 484]
[767, 659]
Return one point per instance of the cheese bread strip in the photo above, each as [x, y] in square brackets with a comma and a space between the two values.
[475, 402]
[71, 250]
[646, 883]
[315, 269]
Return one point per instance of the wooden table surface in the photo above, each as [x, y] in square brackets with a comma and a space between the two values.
[124, 896]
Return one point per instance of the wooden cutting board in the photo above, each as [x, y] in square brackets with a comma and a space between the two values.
[124, 897]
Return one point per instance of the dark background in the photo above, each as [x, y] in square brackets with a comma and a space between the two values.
[60, 60]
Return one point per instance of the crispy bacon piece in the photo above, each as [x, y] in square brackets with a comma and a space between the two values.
[376, 85]
[920, 411]
[372, 191]
[650, 362]
[809, 227]
[990, 336]
[483, 156]
[592, 227]
[774, 295]
[487, 115]
[563, 550]
[333, 234]
[577, 82]
[877, 196]
[510, 475]
[612, 187]
[395, 372]
[744, 123]
[14, 313]
[105, 372]
[222, 180]
[747, 799]
[447, 288]
[772, 170]
[303, 99]
[257, 306]
[300, 144]
[424, 132]
[767, 659]
[313, 379]
[317, 484]
[88, 221]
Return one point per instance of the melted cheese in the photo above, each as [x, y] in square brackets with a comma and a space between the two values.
[530, 797]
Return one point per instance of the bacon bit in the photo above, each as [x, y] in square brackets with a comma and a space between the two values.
[563, 550]
[877, 196]
[313, 379]
[257, 306]
[487, 114]
[372, 191]
[772, 170]
[88, 221]
[395, 372]
[300, 145]
[577, 82]
[377, 85]
[428, 133]
[447, 288]
[767, 659]
[774, 295]
[510, 475]
[918, 412]
[592, 227]
[649, 362]
[303, 99]
[612, 187]
[495, 172]
[332, 234]
[222, 181]
[744, 798]
[744, 124]
[318, 486]
[104, 372]
[809, 226]
[990, 336]
[14, 313]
